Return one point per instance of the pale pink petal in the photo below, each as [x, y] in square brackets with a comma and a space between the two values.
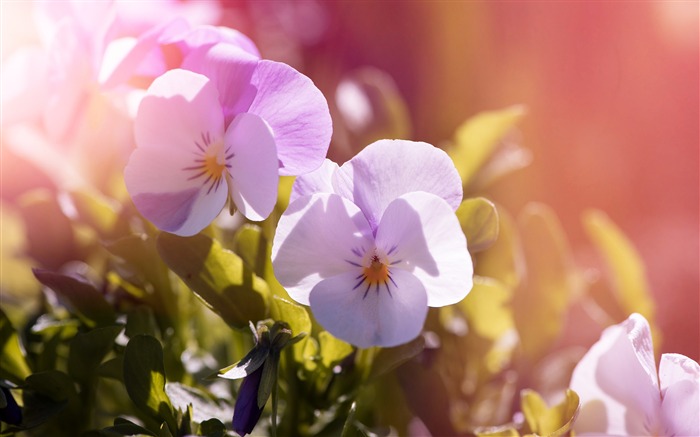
[316, 238]
[25, 85]
[145, 54]
[231, 69]
[179, 107]
[206, 35]
[253, 166]
[617, 382]
[70, 75]
[165, 195]
[318, 181]
[421, 234]
[379, 316]
[298, 114]
[386, 169]
[679, 377]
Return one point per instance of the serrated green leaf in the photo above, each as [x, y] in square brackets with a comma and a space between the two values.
[87, 302]
[87, 350]
[541, 301]
[625, 267]
[218, 277]
[13, 365]
[390, 358]
[477, 138]
[479, 221]
[144, 378]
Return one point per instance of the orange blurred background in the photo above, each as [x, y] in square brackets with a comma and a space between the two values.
[611, 90]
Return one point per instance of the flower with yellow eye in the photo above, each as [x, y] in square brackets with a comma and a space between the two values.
[374, 243]
[222, 136]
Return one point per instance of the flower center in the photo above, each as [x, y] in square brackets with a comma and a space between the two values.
[211, 164]
[377, 272]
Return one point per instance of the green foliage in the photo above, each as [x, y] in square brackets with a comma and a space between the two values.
[13, 366]
[541, 302]
[218, 277]
[479, 220]
[144, 379]
[478, 139]
[625, 268]
[123, 305]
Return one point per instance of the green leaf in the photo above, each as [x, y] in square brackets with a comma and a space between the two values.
[477, 139]
[479, 221]
[126, 427]
[212, 428]
[542, 300]
[13, 365]
[94, 210]
[87, 350]
[85, 300]
[389, 359]
[218, 277]
[332, 349]
[487, 308]
[203, 405]
[141, 321]
[268, 378]
[626, 269]
[142, 261]
[144, 378]
[542, 420]
[504, 260]
[298, 320]
[256, 252]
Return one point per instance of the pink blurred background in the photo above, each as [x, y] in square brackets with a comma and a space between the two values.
[613, 108]
[611, 90]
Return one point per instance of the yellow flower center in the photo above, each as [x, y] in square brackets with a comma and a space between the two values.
[377, 272]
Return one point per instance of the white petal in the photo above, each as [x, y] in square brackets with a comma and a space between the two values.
[315, 239]
[318, 181]
[371, 317]
[617, 382]
[253, 166]
[420, 233]
[386, 169]
[163, 193]
[679, 377]
[179, 107]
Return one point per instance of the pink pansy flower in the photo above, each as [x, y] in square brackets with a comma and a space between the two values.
[204, 140]
[622, 393]
[372, 244]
